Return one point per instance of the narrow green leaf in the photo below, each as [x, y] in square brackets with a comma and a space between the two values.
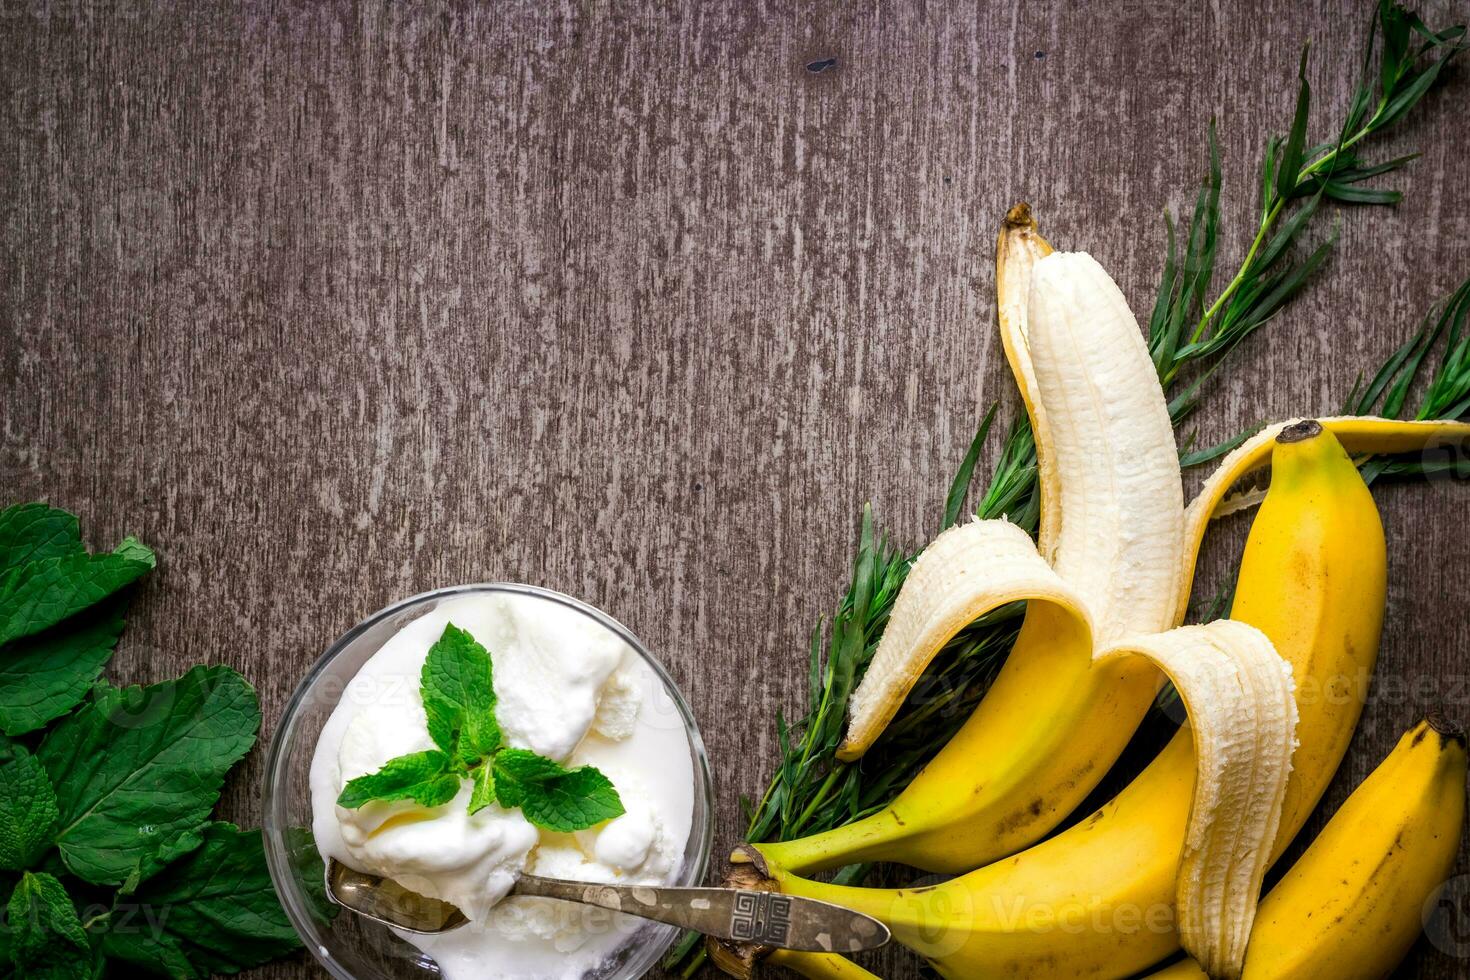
[954, 502]
[1291, 155]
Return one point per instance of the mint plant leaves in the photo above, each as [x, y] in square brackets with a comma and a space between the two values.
[44, 676]
[101, 785]
[39, 594]
[46, 936]
[459, 703]
[28, 812]
[35, 532]
[211, 910]
[428, 778]
[136, 767]
[554, 797]
[459, 696]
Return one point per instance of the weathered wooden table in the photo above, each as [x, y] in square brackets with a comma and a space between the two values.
[332, 305]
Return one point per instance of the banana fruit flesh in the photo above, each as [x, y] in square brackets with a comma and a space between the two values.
[1112, 531]
[1352, 905]
[1099, 900]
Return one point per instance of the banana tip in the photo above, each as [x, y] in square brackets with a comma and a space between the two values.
[1020, 216]
[1300, 431]
[1448, 730]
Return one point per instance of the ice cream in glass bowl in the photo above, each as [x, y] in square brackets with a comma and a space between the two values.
[461, 737]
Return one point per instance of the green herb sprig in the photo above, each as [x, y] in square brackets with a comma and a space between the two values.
[1189, 337]
[456, 684]
[106, 792]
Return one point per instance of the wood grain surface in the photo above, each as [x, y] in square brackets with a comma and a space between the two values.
[334, 304]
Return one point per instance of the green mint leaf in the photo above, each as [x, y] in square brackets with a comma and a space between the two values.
[46, 936]
[212, 910]
[153, 951]
[459, 697]
[28, 811]
[135, 768]
[39, 594]
[42, 677]
[551, 796]
[428, 778]
[160, 857]
[35, 532]
[484, 791]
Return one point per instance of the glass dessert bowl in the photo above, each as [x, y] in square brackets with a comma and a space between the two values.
[541, 628]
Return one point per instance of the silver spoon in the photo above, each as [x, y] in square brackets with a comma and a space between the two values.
[762, 918]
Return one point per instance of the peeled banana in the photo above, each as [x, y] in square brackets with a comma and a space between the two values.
[1099, 900]
[1352, 905]
[1111, 539]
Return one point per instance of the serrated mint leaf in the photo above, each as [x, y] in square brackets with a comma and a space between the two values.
[213, 910]
[28, 811]
[44, 676]
[135, 768]
[36, 595]
[35, 532]
[159, 858]
[46, 936]
[428, 778]
[551, 796]
[155, 952]
[459, 696]
[484, 792]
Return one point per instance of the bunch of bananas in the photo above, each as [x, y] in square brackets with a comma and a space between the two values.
[1273, 694]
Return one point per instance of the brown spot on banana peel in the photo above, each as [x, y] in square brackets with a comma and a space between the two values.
[1021, 819]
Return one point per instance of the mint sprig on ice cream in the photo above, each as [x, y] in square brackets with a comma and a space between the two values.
[459, 702]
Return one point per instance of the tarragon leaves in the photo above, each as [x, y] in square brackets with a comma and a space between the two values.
[1295, 178]
[136, 767]
[459, 704]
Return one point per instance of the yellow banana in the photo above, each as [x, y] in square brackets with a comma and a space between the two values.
[1352, 905]
[819, 966]
[1099, 899]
